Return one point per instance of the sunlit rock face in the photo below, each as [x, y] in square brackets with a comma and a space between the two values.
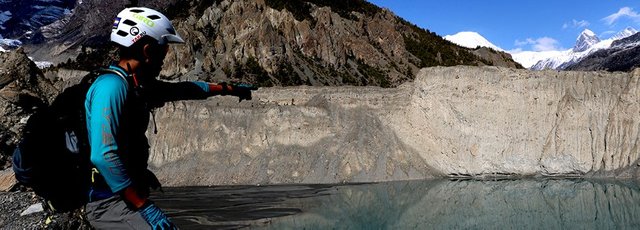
[458, 121]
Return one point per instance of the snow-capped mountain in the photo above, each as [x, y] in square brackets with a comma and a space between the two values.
[625, 33]
[471, 40]
[529, 58]
[585, 41]
[585, 45]
[622, 55]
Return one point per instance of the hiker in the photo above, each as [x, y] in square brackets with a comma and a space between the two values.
[118, 111]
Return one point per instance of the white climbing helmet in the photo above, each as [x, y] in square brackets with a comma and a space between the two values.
[132, 24]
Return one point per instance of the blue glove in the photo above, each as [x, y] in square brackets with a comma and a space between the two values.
[155, 217]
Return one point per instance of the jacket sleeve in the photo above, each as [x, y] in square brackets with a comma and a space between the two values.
[175, 91]
[104, 105]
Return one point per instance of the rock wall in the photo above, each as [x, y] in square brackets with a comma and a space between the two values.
[457, 121]
[267, 42]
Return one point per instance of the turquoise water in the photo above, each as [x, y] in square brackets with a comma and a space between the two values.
[437, 204]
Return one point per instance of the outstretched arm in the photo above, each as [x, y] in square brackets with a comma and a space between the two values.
[175, 91]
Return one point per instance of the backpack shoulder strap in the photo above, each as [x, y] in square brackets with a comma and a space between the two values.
[108, 70]
[93, 75]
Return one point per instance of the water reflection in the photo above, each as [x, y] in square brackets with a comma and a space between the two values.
[440, 204]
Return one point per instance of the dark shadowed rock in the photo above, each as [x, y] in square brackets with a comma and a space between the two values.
[22, 89]
[496, 58]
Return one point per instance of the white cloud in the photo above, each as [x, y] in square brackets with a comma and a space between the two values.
[623, 12]
[546, 44]
[576, 24]
[540, 44]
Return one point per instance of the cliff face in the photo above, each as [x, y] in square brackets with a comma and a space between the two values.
[460, 121]
[497, 121]
[315, 140]
[257, 42]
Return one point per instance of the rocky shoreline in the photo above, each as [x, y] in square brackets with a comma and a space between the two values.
[22, 209]
[13, 204]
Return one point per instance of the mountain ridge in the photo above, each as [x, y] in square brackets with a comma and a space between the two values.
[587, 44]
[275, 42]
[622, 55]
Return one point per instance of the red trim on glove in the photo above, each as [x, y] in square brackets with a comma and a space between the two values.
[215, 88]
[130, 195]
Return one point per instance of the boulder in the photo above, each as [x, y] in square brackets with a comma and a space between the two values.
[7, 180]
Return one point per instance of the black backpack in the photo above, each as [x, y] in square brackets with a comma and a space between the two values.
[53, 155]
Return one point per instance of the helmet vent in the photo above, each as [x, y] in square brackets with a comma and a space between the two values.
[137, 10]
[171, 31]
[154, 17]
[122, 33]
[129, 22]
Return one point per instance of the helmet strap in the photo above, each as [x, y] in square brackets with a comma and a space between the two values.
[135, 79]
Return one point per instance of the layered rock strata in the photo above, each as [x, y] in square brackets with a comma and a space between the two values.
[458, 122]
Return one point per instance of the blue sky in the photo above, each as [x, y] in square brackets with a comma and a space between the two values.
[520, 24]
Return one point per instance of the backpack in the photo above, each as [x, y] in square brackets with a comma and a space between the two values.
[53, 156]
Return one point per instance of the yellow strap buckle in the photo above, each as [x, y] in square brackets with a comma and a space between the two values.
[94, 172]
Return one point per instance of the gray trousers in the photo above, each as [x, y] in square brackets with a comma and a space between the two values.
[113, 213]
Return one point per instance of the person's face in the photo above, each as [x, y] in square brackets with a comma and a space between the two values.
[155, 55]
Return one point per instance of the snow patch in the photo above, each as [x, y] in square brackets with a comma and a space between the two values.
[471, 40]
[529, 58]
[10, 43]
[41, 64]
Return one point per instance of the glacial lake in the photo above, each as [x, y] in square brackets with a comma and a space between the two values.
[434, 204]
